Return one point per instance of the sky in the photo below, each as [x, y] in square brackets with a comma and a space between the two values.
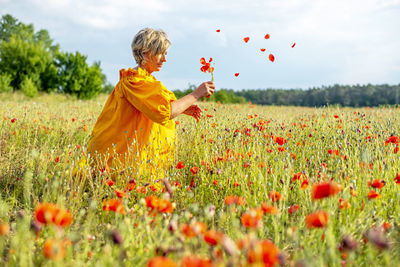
[337, 41]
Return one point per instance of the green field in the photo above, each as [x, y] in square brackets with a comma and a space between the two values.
[242, 150]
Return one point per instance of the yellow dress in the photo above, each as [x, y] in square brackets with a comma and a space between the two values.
[134, 130]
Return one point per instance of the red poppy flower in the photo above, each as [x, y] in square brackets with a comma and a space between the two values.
[180, 165]
[271, 57]
[372, 194]
[393, 140]
[305, 183]
[113, 205]
[194, 170]
[246, 39]
[195, 261]
[324, 190]
[252, 218]
[206, 65]
[161, 261]
[293, 209]
[213, 237]
[49, 213]
[280, 140]
[265, 253]
[275, 196]
[317, 219]
[269, 208]
[377, 183]
[296, 176]
[397, 178]
[229, 200]
[267, 36]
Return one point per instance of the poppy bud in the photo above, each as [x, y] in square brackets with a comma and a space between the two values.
[36, 226]
[116, 237]
[348, 243]
[377, 237]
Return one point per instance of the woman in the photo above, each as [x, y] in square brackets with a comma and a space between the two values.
[135, 129]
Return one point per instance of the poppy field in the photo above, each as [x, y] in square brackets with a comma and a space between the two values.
[249, 186]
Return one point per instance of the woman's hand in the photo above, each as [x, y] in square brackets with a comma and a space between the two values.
[205, 89]
[194, 111]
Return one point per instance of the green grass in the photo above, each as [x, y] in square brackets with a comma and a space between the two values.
[51, 126]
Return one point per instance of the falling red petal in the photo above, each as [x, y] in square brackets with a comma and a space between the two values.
[271, 57]
[262, 49]
[237, 74]
[246, 39]
[293, 45]
[266, 36]
[218, 30]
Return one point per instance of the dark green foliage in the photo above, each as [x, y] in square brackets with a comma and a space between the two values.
[25, 53]
[343, 95]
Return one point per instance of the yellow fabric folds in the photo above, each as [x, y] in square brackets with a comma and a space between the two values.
[134, 129]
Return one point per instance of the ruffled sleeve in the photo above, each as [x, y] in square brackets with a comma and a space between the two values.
[148, 95]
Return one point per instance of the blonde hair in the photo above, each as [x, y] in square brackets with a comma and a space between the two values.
[149, 40]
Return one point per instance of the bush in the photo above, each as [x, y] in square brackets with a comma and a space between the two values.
[5, 83]
[28, 87]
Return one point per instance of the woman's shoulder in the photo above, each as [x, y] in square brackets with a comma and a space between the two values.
[136, 73]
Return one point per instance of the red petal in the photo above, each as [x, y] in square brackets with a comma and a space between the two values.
[246, 39]
[218, 30]
[211, 69]
[262, 49]
[210, 59]
[266, 36]
[293, 45]
[271, 57]
[237, 74]
[202, 61]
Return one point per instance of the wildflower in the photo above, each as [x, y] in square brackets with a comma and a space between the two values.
[120, 193]
[296, 176]
[264, 252]
[377, 183]
[386, 226]
[49, 213]
[194, 261]
[194, 170]
[194, 229]
[305, 183]
[213, 237]
[397, 178]
[377, 237]
[372, 195]
[161, 261]
[55, 249]
[293, 209]
[392, 139]
[333, 152]
[343, 203]
[280, 140]
[160, 205]
[317, 219]
[180, 165]
[229, 200]
[325, 189]
[269, 208]
[252, 218]
[113, 205]
[4, 229]
[275, 196]
[207, 67]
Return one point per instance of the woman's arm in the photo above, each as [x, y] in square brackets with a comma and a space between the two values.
[180, 105]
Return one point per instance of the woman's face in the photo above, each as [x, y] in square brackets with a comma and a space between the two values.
[154, 62]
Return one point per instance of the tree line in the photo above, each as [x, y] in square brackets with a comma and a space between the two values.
[31, 62]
